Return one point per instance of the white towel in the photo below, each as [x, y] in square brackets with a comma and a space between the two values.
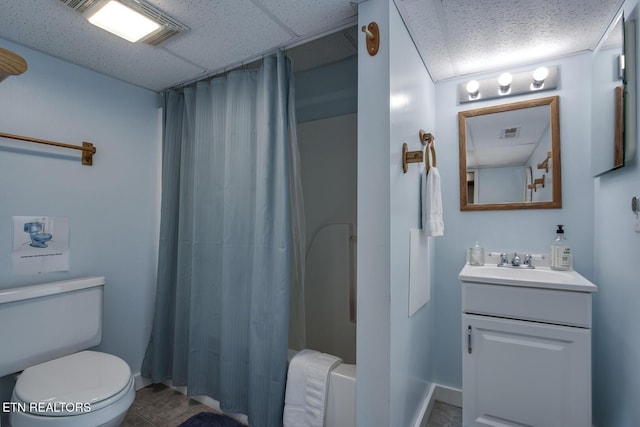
[432, 220]
[307, 385]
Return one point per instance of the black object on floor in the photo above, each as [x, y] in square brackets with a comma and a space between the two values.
[210, 419]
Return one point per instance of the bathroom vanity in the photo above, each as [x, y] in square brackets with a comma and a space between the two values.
[526, 347]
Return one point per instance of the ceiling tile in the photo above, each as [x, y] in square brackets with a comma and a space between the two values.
[222, 32]
[423, 20]
[454, 37]
[306, 17]
[51, 27]
[486, 35]
[329, 49]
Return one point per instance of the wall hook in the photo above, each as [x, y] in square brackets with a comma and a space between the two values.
[545, 163]
[418, 156]
[410, 157]
[372, 33]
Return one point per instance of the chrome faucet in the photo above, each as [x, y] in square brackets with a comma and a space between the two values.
[504, 260]
[515, 261]
[528, 261]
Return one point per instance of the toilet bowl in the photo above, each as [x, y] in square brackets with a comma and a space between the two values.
[83, 389]
[62, 383]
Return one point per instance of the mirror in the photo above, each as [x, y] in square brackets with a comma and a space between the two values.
[510, 156]
[613, 98]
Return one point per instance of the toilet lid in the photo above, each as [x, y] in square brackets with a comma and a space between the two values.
[87, 377]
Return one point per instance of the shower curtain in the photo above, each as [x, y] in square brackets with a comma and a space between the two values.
[230, 241]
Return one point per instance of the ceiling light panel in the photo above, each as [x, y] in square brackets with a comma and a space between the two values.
[163, 28]
[123, 21]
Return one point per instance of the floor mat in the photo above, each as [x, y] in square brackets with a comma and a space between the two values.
[210, 419]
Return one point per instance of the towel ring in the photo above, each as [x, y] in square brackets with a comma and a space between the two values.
[428, 140]
[418, 156]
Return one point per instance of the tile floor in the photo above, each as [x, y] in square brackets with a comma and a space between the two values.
[160, 406]
[444, 415]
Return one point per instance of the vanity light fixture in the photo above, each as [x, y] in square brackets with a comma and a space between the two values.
[539, 75]
[509, 84]
[473, 89]
[132, 20]
[504, 81]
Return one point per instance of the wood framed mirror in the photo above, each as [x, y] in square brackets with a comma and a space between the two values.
[510, 156]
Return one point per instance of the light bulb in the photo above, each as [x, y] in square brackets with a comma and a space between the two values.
[539, 75]
[504, 81]
[473, 88]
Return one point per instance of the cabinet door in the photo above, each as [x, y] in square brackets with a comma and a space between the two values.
[518, 373]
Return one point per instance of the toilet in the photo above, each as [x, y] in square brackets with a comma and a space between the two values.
[38, 239]
[59, 381]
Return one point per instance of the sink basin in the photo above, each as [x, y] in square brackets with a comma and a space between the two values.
[539, 277]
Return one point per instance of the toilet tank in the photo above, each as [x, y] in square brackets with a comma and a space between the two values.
[50, 320]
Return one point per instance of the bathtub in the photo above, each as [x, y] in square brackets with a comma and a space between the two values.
[341, 395]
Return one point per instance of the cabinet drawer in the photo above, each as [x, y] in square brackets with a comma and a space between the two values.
[535, 304]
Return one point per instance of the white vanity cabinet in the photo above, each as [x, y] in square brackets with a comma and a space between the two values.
[526, 351]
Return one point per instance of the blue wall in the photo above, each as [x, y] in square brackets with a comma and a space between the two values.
[508, 231]
[374, 222]
[616, 340]
[412, 109]
[112, 206]
[327, 91]
[394, 351]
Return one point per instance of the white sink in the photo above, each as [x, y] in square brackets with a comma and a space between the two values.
[539, 277]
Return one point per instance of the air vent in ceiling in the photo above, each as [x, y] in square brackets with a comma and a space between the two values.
[510, 133]
[169, 27]
[79, 5]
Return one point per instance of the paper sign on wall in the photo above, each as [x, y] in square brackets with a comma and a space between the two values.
[419, 272]
[40, 244]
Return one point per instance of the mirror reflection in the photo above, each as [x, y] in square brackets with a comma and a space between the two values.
[608, 97]
[510, 156]
[613, 97]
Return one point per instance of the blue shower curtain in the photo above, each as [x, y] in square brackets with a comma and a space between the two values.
[230, 187]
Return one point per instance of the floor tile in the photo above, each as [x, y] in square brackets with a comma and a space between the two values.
[160, 406]
[444, 415]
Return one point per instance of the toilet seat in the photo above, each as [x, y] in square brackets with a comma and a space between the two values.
[73, 384]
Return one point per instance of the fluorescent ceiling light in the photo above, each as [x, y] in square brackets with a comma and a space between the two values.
[123, 21]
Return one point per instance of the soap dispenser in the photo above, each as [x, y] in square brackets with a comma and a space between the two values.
[560, 251]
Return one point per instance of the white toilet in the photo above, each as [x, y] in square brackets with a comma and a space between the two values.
[61, 385]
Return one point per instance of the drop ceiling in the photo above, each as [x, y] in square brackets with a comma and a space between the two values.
[454, 37]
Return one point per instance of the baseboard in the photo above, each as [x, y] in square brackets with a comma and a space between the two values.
[440, 393]
[140, 381]
[448, 395]
[422, 417]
